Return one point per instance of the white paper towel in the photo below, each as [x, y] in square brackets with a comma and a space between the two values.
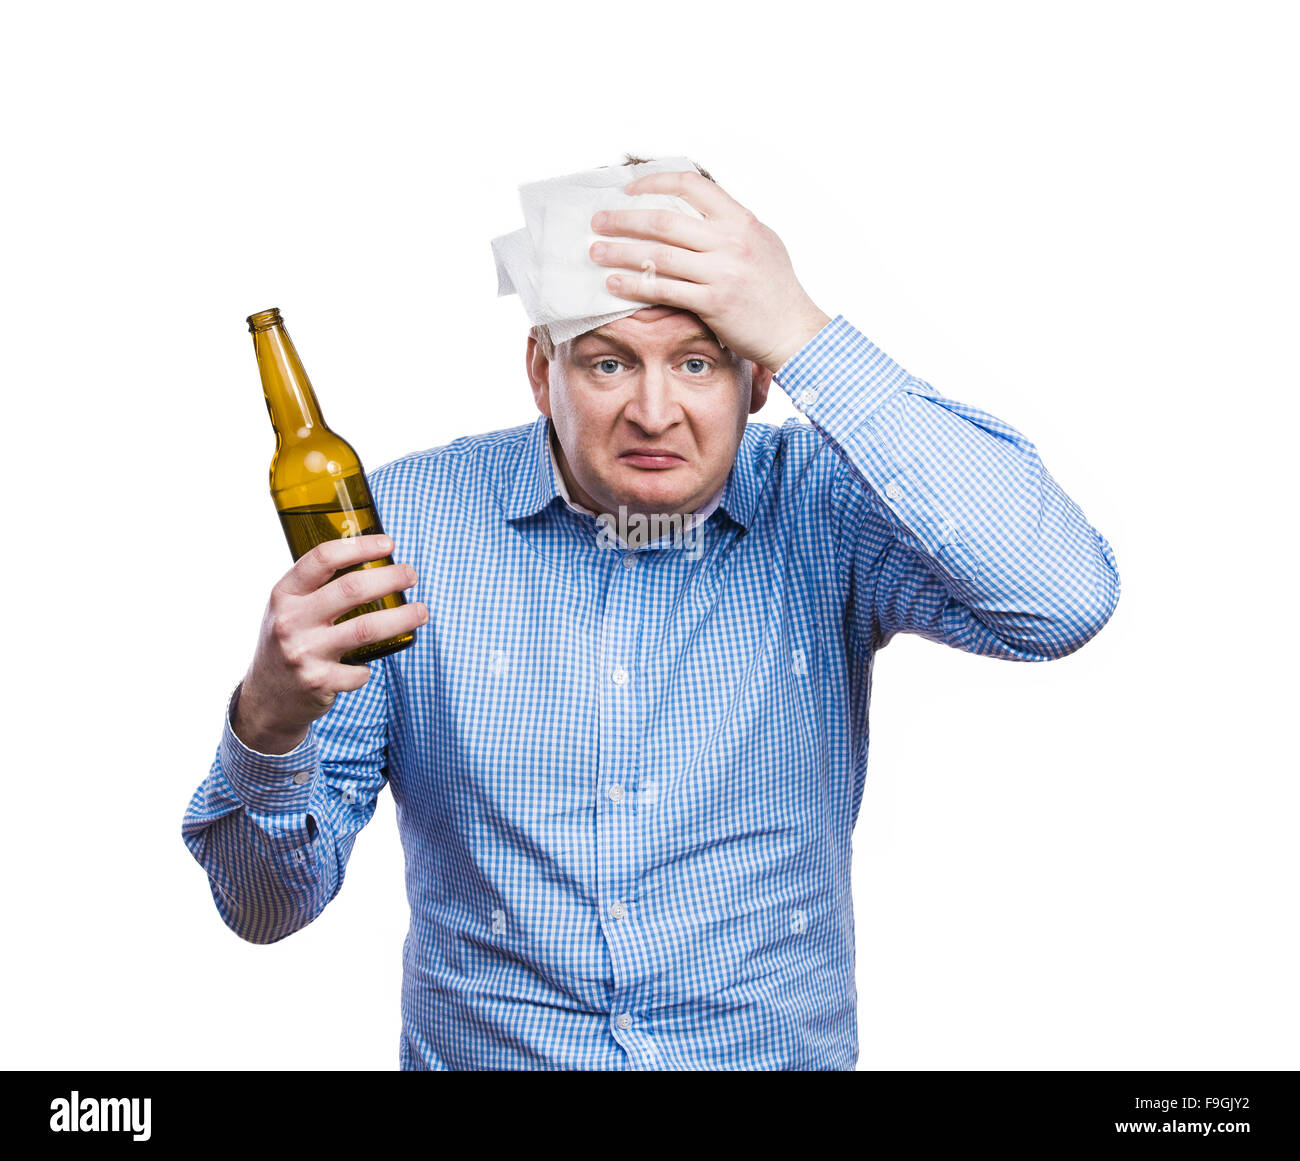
[547, 263]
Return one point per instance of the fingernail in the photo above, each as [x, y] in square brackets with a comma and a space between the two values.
[385, 545]
[600, 219]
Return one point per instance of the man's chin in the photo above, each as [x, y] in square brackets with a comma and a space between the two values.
[659, 503]
[657, 498]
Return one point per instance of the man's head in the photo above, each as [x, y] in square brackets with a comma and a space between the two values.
[648, 410]
[656, 381]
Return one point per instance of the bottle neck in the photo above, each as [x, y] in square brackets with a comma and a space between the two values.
[295, 413]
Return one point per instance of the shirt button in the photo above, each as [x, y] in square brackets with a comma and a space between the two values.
[619, 676]
[615, 792]
[618, 911]
[302, 778]
[808, 398]
[629, 561]
[893, 491]
[624, 1021]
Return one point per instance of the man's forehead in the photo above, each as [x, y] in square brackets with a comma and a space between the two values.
[651, 313]
[658, 323]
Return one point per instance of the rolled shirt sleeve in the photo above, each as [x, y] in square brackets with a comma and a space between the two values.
[951, 525]
[274, 831]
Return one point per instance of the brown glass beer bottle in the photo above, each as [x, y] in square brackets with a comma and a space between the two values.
[317, 482]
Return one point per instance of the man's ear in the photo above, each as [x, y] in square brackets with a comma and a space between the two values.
[539, 375]
[758, 392]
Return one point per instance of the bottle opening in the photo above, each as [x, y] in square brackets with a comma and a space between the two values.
[265, 319]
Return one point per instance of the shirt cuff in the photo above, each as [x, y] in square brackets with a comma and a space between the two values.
[274, 783]
[839, 377]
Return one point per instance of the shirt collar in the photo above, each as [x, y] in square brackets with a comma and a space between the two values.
[532, 484]
[537, 481]
[740, 493]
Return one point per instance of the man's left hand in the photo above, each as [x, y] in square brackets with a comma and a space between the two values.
[729, 269]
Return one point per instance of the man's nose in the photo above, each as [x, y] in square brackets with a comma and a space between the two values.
[653, 406]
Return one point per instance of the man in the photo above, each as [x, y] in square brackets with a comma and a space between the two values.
[627, 774]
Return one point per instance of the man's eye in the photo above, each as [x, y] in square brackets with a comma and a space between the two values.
[606, 366]
[696, 366]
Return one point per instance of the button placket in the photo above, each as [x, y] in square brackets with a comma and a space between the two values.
[621, 698]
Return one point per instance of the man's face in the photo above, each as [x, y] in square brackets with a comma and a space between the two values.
[648, 411]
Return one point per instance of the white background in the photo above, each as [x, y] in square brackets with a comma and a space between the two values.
[1078, 217]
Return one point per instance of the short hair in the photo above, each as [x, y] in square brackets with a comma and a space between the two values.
[542, 332]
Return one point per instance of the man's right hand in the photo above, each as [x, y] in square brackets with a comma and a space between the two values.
[296, 672]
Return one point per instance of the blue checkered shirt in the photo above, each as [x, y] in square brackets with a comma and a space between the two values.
[626, 782]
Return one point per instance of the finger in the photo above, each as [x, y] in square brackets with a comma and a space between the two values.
[660, 225]
[333, 678]
[685, 265]
[706, 196]
[359, 587]
[314, 568]
[350, 677]
[649, 287]
[371, 627]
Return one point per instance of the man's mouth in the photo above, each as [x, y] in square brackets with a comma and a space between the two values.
[651, 457]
